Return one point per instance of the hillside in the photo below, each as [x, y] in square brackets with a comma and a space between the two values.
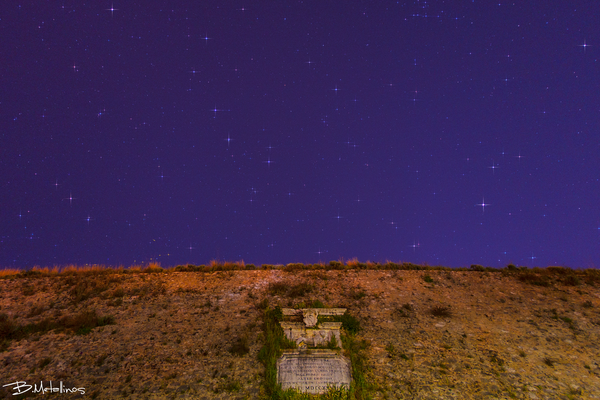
[432, 334]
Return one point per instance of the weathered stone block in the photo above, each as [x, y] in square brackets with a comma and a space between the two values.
[313, 371]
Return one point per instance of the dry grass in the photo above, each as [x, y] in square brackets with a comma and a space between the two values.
[550, 276]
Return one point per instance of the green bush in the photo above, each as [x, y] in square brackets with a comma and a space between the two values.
[350, 323]
[336, 265]
[275, 341]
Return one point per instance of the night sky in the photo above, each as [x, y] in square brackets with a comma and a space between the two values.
[441, 132]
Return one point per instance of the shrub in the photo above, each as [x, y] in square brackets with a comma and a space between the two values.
[335, 265]
[332, 344]
[300, 289]
[240, 346]
[44, 362]
[559, 270]
[274, 342]
[355, 350]
[357, 293]
[316, 304]
[293, 267]
[289, 290]
[229, 386]
[477, 267]
[571, 280]
[350, 323]
[263, 304]
[534, 279]
[441, 311]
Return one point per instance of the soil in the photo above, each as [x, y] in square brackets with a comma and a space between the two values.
[194, 335]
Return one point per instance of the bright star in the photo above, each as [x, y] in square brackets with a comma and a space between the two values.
[112, 10]
[483, 205]
[584, 45]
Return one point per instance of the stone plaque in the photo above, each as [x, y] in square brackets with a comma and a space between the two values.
[313, 371]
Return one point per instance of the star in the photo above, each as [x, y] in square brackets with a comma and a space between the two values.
[228, 140]
[338, 217]
[483, 205]
[415, 245]
[493, 167]
[112, 10]
[584, 45]
[70, 198]
[88, 219]
[215, 110]
[206, 39]
[309, 62]
[268, 162]
[336, 89]
[56, 185]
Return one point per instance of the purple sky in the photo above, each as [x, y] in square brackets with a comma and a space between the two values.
[449, 133]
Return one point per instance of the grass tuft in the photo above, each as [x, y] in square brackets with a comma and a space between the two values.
[240, 346]
[441, 311]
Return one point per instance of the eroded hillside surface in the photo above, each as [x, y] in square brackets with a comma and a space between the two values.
[432, 334]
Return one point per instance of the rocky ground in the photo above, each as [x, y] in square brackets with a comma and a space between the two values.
[433, 334]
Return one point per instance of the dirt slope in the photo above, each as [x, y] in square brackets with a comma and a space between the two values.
[197, 335]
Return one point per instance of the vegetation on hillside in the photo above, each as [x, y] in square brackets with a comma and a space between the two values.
[536, 276]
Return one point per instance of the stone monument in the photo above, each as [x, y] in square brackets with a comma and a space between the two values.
[316, 364]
